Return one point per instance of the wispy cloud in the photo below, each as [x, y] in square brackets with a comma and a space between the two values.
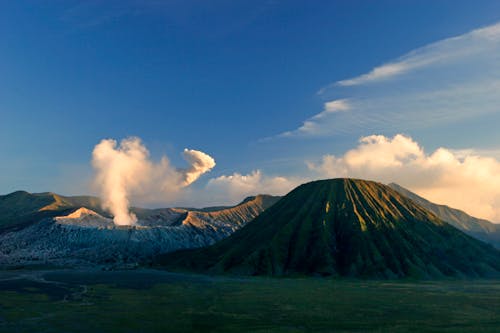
[310, 126]
[447, 81]
[447, 50]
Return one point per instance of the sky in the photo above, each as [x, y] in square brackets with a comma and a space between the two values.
[275, 92]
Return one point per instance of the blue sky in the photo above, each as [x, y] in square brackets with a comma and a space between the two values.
[230, 78]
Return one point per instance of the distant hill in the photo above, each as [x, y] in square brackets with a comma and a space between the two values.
[20, 208]
[344, 227]
[479, 228]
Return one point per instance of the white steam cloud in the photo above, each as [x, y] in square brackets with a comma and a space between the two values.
[125, 170]
[460, 179]
[199, 164]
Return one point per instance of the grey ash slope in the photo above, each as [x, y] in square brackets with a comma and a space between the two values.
[344, 227]
[478, 228]
[80, 235]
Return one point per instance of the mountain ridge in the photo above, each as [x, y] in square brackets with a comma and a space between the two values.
[476, 227]
[345, 227]
[20, 208]
[79, 235]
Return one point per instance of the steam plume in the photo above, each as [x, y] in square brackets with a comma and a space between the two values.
[200, 163]
[124, 170]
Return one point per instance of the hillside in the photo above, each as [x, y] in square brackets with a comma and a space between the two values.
[20, 208]
[479, 228]
[344, 227]
[85, 236]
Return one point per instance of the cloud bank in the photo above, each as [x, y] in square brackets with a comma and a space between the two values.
[464, 179]
[444, 82]
[460, 179]
[233, 188]
[125, 170]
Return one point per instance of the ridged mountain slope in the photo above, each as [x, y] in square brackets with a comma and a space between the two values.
[479, 228]
[344, 227]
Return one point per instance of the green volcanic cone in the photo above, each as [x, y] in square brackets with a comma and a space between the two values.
[344, 227]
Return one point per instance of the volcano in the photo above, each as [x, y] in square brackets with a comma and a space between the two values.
[344, 227]
[55, 230]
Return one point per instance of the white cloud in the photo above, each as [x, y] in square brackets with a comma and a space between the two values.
[384, 72]
[310, 126]
[336, 106]
[449, 81]
[464, 179]
[199, 163]
[447, 50]
[233, 188]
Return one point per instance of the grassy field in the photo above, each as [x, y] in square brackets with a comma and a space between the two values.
[155, 301]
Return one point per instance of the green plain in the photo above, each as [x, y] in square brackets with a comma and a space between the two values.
[156, 301]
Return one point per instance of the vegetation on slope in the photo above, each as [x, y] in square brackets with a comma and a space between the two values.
[20, 208]
[344, 227]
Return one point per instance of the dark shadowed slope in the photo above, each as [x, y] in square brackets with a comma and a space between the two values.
[479, 228]
[346, 227]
